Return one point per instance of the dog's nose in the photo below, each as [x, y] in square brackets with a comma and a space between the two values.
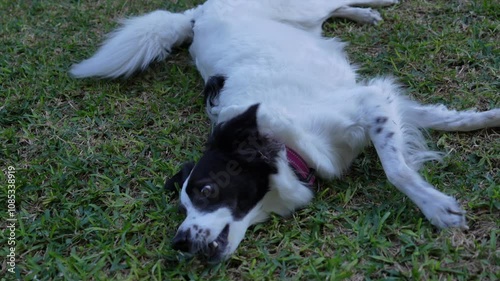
[181, 240]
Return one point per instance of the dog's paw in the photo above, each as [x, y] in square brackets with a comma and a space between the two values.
[389, 2]
[371, 16]
[446, 213]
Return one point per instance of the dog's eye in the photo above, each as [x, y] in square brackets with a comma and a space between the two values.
[207, 190]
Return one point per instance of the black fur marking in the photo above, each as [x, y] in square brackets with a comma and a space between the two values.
[182, 210]
[212, 89]
[389, 135]
[381, 120]
[237, 163]
[378, 130]
[174, 184]
[393, 148]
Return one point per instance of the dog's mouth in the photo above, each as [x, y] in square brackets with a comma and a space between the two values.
[215, 249]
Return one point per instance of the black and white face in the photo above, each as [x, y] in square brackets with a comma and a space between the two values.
[223, 192]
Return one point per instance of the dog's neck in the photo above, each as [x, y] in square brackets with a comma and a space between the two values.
[300, 167]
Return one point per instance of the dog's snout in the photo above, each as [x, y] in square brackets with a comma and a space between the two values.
[181, 240]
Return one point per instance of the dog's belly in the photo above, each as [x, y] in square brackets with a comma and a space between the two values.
[261, 49]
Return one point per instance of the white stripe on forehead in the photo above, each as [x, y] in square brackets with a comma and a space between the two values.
[185, 200]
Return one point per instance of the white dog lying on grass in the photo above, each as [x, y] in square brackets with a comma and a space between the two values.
[286, 105]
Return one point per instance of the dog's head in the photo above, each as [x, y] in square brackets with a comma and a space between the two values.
[222, 193]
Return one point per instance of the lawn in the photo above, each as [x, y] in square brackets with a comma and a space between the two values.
[91, 156]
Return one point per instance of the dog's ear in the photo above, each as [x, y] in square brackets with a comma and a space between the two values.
[237, 132]
[174, 184]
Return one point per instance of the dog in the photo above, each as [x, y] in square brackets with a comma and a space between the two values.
[286, 106]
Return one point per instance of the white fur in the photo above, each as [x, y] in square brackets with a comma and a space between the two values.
[272, 53]
[139, 41]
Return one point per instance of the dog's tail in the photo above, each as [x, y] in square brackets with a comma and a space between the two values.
[137, 43]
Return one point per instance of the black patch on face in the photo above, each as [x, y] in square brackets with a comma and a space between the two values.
[236, 167]
[175, 183]
[182, 209]
[378, 130]
[212, 89]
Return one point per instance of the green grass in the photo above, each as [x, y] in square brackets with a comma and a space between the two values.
[92, 156]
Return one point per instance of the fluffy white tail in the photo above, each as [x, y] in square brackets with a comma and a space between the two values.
[136, 44]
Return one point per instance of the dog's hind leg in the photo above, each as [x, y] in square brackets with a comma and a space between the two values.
[441, 118]
[373, 3]
[394, 139]
[361, 15]
[310, 15]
